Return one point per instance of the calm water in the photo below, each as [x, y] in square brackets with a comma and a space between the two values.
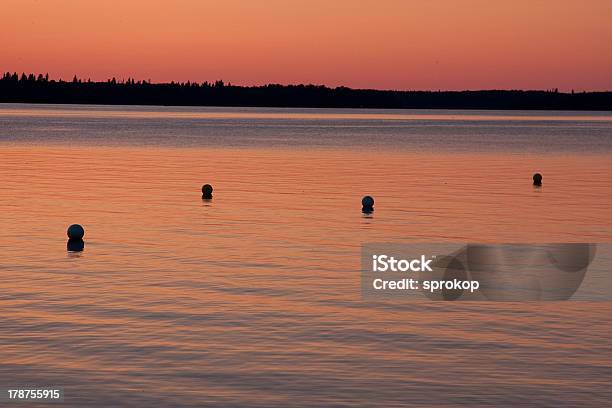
[253, 299]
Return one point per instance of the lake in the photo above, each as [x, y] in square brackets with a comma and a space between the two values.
[254, 298]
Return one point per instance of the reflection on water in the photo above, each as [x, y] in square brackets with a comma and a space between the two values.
[197, 112]
[412, 130]
[253, 299]
[75, 245]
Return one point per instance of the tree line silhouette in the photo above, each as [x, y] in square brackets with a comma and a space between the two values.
[39, 88]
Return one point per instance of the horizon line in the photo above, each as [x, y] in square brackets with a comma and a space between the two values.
[132, 81]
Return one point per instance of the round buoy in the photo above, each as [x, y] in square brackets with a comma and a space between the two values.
[207, 191]
[75, 232]
[537, 179]
[367, 204]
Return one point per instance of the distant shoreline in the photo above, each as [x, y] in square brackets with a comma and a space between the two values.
[39, 89]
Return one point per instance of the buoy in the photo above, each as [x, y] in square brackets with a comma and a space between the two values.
[75, 232]
[367, 204]
[207, 191]
[537, 179]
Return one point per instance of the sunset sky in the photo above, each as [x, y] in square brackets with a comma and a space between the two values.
[391, 44]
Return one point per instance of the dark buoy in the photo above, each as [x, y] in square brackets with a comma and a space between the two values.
[75, 238]
[367, 204]
[75, 231]
[207, 191]
[537, 179]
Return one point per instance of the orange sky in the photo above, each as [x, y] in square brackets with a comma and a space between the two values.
[418, 44]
